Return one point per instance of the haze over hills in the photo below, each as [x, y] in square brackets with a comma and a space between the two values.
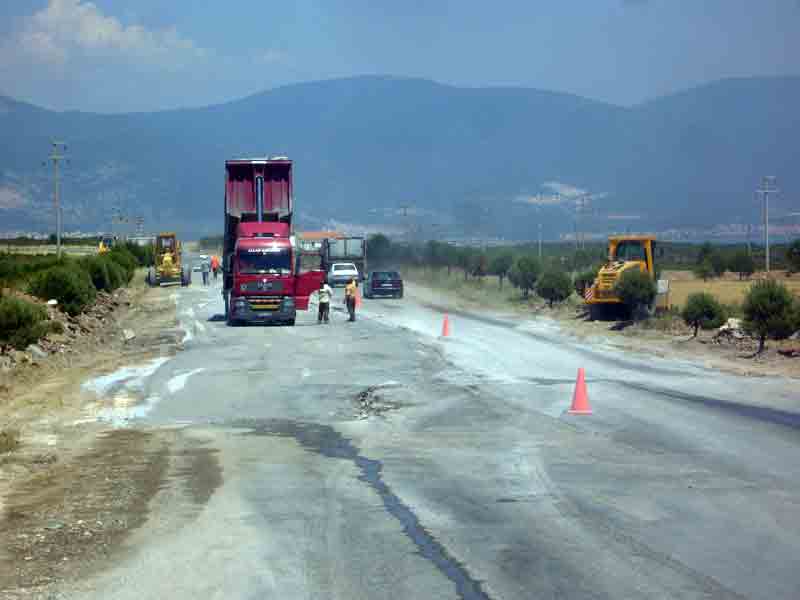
[478, 161]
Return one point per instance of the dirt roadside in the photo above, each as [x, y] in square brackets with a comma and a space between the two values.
[75, 486]
[735, 358]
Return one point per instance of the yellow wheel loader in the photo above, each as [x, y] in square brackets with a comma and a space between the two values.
[168, 268]
[625, 253]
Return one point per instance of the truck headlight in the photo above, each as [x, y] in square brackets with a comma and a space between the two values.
[288, 302]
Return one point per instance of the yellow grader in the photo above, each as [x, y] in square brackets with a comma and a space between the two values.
[168, 268]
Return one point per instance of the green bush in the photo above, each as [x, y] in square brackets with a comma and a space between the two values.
[125, 259]
[501, 265]
[97, 268]
[769, 311]
[142, 254]
[636, 290]
[703, 310]
[524, 274]
[554, 286]
[718, 264]
[21, 322]
[17, 269]
[742, 263]
[116, 274]
[69, 284]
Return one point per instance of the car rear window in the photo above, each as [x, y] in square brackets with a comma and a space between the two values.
[344, 267]
[386, 275]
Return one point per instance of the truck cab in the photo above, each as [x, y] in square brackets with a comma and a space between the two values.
[266, 284]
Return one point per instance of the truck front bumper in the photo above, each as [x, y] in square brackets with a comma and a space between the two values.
[241, 310]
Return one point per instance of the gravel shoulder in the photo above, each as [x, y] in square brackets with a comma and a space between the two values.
[74, 486]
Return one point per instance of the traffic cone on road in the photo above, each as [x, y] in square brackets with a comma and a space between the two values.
[580, 399]
[446, 327]
[358, 298]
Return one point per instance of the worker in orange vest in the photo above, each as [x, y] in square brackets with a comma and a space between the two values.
[215, 265]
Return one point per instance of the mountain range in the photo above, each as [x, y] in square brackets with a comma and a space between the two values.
[396, 153]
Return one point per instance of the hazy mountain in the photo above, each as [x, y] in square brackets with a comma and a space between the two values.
[463, 158]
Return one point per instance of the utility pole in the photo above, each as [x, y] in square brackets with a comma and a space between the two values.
[540, 239]
[767, 187]
[57, 154]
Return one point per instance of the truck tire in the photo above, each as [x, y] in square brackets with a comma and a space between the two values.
[290, 322]
[150, 278]
[597, 312]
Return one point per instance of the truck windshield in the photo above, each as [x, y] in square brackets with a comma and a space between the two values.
[254, 261]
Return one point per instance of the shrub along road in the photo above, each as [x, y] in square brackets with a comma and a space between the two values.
[375, 460]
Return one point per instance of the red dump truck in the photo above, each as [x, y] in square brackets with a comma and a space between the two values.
[261, 262]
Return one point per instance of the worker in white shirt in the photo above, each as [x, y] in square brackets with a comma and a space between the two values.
[325, 293]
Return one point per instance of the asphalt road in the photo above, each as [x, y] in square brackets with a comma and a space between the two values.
[466, 479]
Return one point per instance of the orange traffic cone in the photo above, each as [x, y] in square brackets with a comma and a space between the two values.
[446, 327]
[358, 299]
[580, 399]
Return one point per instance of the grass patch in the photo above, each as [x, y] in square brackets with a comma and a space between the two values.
[727, 291]
[483, 291]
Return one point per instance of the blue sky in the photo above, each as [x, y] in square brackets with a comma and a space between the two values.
[115, 55]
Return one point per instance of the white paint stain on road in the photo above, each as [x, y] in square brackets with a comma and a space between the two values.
[177, 383]
[131, 378]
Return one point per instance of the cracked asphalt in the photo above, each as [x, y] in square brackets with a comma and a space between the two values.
[471, 481]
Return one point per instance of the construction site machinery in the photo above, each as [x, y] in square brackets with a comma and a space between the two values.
[263, 279]
[106, 243]
[347, 250]
[625, 253]
[169, 268]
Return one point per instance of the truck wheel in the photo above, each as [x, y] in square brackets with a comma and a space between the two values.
[290, 322]
[596, 312]
[151, 276]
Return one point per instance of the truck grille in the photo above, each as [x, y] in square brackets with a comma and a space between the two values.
[256, 286]
[264, 302]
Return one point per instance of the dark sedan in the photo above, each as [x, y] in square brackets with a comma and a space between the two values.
[383, 283]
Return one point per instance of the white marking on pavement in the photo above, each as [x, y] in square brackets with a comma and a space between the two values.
[127, 377]
[178, 382]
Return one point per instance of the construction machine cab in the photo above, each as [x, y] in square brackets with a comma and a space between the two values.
[626, 249]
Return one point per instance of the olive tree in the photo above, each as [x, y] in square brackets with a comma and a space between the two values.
[554, 286]
[501, 265]
[769, 312]
[743, 264]
[524, 274]
[703, 310]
